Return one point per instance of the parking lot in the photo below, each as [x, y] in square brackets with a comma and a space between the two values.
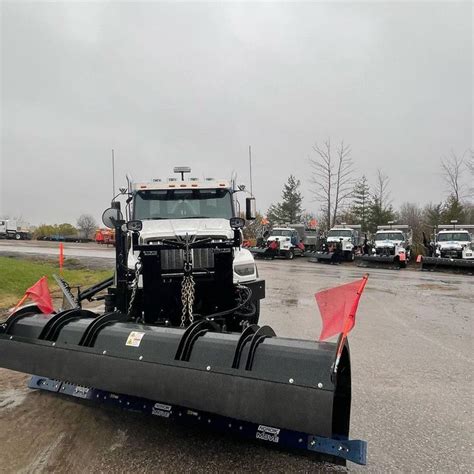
[411, 352]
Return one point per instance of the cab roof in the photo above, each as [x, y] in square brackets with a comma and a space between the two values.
[174, 183]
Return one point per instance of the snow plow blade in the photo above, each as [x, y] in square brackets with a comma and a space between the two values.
[320, 257]
[281, 391]
[379, 261]
[455, 265]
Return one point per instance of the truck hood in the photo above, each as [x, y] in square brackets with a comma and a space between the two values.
[337, 239]
[153, 229]
[451, 245]
[387, 243]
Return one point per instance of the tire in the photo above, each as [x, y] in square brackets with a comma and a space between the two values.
[17, 236]
[290, 255]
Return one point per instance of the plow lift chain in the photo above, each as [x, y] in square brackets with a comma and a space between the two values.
[187, 298]
[136, 279]
[187, 285]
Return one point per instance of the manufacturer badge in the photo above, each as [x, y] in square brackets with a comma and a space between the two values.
[268, 433]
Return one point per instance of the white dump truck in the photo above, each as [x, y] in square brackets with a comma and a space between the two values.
[173, 210]
[349, 236]
[453, 241]
[451, 249]
[9, 229]
[391, 245]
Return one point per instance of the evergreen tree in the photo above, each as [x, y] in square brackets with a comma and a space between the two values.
[379, 215]
[361, 204]
[290, 209]
[433, 215]
[452, 210]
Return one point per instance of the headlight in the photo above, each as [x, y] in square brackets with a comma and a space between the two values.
[245, 269]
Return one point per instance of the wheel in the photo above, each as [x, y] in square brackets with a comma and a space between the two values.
[290, 255]
[17, 236]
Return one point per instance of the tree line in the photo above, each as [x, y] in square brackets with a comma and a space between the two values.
[344, 197]
[86, 226]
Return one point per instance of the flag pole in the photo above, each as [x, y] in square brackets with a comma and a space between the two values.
[349, 317]
[19, 303]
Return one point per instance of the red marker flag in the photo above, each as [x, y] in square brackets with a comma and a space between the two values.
[39, 293]
[338, 307]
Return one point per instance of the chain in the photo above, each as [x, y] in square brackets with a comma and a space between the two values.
[187, 299]
[138, 269]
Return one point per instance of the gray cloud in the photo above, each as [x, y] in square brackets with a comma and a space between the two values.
[186, 83]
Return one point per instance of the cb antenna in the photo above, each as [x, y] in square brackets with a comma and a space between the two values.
[113, 174]
[250, 167]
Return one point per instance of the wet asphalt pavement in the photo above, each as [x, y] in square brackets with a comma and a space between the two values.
[411, 352]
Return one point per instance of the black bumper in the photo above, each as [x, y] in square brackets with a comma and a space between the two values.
[258, 289]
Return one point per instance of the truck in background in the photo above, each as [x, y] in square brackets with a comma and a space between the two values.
[9, 229]
[391, 246]
[451, 249]
[287, 240]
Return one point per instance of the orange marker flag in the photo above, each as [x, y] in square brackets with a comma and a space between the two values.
[61, 257]
[39, 293]
[338, 307]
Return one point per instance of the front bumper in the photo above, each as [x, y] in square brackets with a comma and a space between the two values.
[258, 289]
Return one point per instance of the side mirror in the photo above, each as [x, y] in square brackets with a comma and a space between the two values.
[250, 209]
[111, 216]
[237, 223]
[134, 226]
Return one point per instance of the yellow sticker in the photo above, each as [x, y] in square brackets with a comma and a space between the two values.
[134, 339]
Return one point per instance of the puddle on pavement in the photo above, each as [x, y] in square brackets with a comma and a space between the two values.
[290, 301]
[12, 398]
[435, 286]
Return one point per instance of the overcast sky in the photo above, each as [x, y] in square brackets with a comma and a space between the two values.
[168, 84]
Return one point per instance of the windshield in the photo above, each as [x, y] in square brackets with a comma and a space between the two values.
[340, 233]
[183, 204]
[458, 236]
[281, 233]
[389, 236]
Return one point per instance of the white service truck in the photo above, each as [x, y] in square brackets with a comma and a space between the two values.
[348, 236]
[289, 241]
[9, 229]
[393, 241]
[454, 241]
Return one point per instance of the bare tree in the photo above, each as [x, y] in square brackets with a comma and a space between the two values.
[381, 190]
[87, 224]
[470, 168]
[332, 178]
[344, 183]
[322, 177]
[452, 172]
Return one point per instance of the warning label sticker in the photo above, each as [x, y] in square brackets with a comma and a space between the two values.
[134, 339]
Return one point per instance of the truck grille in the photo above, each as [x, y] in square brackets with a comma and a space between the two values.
[174, 259]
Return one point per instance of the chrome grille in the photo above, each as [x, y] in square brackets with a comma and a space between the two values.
[174, 259]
